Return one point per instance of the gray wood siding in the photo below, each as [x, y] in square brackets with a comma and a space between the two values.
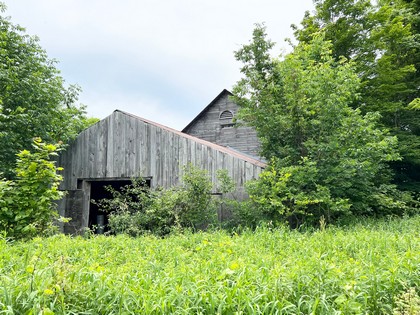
[209, 127]
[125, 146]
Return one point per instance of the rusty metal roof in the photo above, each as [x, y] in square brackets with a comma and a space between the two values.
[220, 148]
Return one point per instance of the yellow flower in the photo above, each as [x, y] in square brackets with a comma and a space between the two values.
[30, 269]
[234, 265]
[48, 292]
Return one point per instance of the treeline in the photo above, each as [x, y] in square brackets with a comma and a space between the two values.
[35, 101]
[337, 117]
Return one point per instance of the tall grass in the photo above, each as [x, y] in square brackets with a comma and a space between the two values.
[369, 268]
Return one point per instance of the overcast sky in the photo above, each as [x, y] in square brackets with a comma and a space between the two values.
[162, 60]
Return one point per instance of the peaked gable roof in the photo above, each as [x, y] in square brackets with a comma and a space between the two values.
[220, 148]
[221, 94]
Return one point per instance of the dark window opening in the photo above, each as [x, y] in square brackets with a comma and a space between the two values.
[98, 219]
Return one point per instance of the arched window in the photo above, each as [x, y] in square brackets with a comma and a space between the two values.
[226, 119]
[225, 115]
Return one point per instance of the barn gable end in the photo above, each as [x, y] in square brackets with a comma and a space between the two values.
[216, 124]
[123, 146]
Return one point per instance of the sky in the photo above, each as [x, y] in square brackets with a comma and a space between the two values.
[161, 60]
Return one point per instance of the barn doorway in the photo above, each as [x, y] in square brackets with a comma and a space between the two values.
[98, 219]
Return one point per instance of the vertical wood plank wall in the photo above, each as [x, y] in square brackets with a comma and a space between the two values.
[125, 146]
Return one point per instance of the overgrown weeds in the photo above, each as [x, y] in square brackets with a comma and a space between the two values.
[137, 210]
[370, 268]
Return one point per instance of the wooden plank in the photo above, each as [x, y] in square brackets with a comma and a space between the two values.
[138, 147]
[119, 145]
[130, 149]
[164, 156]
[183, 152]
[197, 154]
[102, 145]
[249, 172]
[110, 148]
[91, 151]
[153, 154]
[146, 151]
[86, 204]
[158, 156]
[211, 164]
[174, 175]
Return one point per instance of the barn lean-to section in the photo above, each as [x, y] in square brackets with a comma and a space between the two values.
[123, 146]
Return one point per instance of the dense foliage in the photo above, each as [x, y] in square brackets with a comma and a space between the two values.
[137, 209]
[27, 203]
[34, 101]
[382, 38]
[368, 268]
[327, 159]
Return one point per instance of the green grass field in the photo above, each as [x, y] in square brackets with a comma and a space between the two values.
[369, 268]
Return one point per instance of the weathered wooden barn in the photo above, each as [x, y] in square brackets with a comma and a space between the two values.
[216, 124]
[123, 146]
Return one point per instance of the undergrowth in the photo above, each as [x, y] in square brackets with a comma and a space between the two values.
[369, 268]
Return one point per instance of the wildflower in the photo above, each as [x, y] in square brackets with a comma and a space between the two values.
[30, 269]
[48, 292]
[234, 265]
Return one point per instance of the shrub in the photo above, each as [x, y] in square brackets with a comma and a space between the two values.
[298, 195]
[136, 209]
[194, 206]
[294, 194]
[27, 205]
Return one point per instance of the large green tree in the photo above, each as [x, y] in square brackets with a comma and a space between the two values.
[382, 38]
[34, 100]
[327, 158]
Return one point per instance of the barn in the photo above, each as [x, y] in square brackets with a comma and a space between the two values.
[123, 146]
[216, 123]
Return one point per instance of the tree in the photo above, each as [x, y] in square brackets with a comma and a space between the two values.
[382, 38]
[34, 101]
[326, 157]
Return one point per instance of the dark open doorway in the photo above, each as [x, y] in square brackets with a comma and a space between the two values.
[98, 220]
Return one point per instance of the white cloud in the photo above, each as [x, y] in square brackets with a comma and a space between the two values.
[159, 54]
[146, 107]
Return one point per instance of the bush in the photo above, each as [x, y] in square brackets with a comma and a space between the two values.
[294, 194]
[27, 205]
[136, 209]
[298, 195]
